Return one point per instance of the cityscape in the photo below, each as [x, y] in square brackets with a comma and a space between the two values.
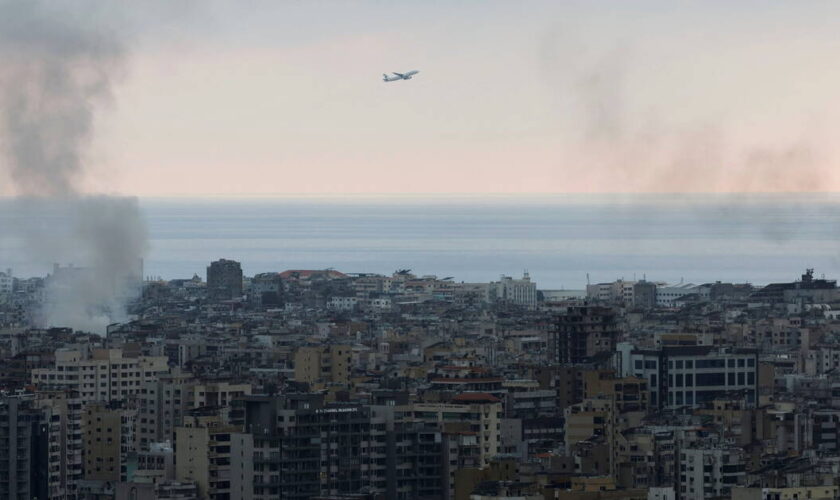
[322, 384]
[419, 250]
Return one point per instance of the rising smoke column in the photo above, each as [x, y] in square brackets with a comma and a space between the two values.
[57, 65]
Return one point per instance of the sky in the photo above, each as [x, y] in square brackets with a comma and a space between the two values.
[269, 97]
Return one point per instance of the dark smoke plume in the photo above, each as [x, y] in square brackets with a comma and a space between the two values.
[58, 61]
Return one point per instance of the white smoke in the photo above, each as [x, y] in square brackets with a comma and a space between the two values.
[58, 61]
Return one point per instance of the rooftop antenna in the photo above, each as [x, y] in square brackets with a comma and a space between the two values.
[587, 278]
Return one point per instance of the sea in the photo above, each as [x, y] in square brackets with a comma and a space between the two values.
[562, 241]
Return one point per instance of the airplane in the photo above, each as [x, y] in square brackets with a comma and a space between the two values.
[399, 76]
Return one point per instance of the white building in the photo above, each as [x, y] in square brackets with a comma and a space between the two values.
[710, 472]
[340, 303]
[670, 295]
[6, 281]
[619, 291]
[522, 292]
[662, 493]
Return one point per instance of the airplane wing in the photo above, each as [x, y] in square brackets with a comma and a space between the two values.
[401, 75]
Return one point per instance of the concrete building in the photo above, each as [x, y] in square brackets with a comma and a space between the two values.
[155, 464]
[101, 374]
[216, 456]
[644, 294]
[162, 404]
[224, 279]
[7, 281]
[23, 449]
[582, 332]
[349, 453]
[62, 414]
[473, 412]
[671, 295]
[639, 294]
[267, 289]
[329, 364]
[521, 292]
[710, 472]
[102, 437]
[691, 376]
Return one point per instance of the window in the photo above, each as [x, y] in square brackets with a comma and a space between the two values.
[708, 379]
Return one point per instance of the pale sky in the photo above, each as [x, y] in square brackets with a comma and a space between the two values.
[266, 97]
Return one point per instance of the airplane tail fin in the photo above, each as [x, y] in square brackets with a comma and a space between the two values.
[384, 77]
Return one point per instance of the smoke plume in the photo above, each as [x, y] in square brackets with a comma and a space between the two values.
[58, 62]
[623, 137]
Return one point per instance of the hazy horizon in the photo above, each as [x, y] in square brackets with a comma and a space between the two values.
[559, 239]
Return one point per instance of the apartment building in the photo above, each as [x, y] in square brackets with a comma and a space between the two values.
[162, 404]
[218, 457]
[329, 364]
[102, 437]
[710, 471]
[691, 376]
[478, 413]
[62, 414]
[224, 279]
[101, 374]
[520, 292]
[582, 332]
[23, 449]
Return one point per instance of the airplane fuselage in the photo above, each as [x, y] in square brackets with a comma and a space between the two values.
[399, 76]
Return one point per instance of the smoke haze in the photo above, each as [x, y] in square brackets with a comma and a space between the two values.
[57, 65]
[622, 136]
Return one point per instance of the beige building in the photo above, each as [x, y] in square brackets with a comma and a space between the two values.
[476, 413]
[217, 457]
[326, 364]
[107, 437]
[162, 404]
[101, 375]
